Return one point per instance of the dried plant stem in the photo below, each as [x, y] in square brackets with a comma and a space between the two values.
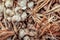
[37, 8]
[5, 34]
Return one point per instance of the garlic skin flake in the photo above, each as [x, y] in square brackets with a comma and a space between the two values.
[24, 16]
[9, 3]
[16, 18]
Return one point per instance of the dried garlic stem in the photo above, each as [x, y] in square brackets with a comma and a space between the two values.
[36, 9]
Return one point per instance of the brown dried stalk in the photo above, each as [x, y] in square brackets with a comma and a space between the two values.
[44, 29]
[5, 34]
[37, 8]
[2, 26]
[55, 9]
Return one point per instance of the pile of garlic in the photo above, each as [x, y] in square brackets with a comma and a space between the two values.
[18, 17]
[14, 13]
[24, 4]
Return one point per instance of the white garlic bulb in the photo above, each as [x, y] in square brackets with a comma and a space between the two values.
[16, 9]
[23, 4]
[16, 18]
[26, 38]
[9, 3]
[21, 33]
[9, 12]
[30, 4]
[24, 16]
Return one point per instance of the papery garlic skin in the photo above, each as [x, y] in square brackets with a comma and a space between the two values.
[24, 16]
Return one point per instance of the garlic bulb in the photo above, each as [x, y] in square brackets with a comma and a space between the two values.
[9, 3]
[26, 38]
[23, 4]
[24, 16]
[16, 9]
[16, 18]
[30, 4]
[21, 33]
[9, 12]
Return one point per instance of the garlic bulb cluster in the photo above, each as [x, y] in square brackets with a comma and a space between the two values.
[9, 3]
[16, 13]
[18, 17]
